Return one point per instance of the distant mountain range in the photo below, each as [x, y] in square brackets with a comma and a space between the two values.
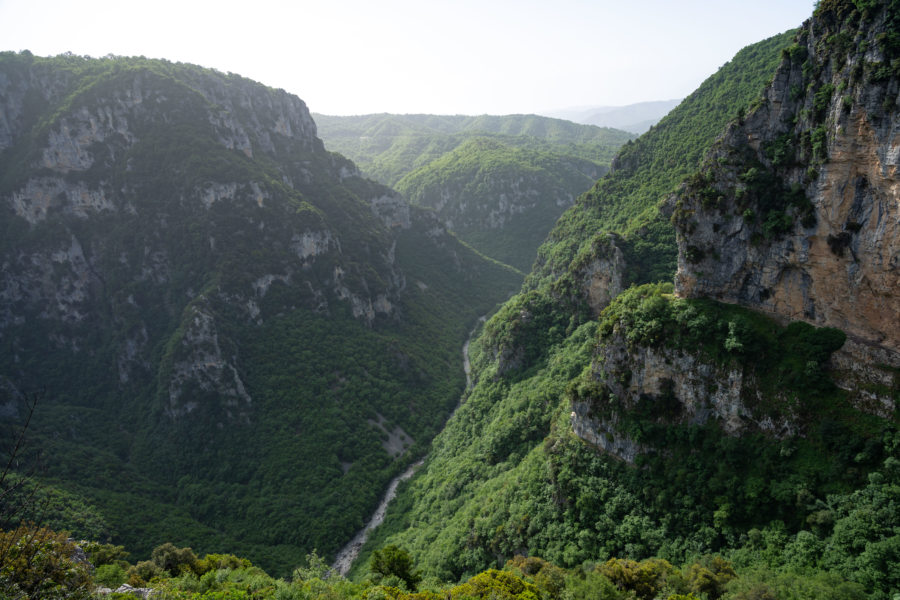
[636, 118]
[238, 340]
[498, 182]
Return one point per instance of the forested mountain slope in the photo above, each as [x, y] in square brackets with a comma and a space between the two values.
[499, 182]
[645, 170]
[236, 339]
[612, 419]
[500, 198]
[387, 147]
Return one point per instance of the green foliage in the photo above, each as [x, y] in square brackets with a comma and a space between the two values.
[36, 562]
[651, 167]
[765, 585]
[821, 100]
[58, 508]
[394, 561]
[144, 572]
[315, 568]
[104, 554]
[793, 357]
[524, 329]
[216, 562]
[645, 579]
[501, 197]
[213, 471]
[501, 181]
[769, 206]
[507, 474]
[110, 575]
[522, 578]
[494, 584]
[173, 560]
[388, 147]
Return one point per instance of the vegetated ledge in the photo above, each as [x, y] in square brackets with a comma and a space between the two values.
[662, 360]
[794, 209]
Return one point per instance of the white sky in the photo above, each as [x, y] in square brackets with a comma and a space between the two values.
[430, 56]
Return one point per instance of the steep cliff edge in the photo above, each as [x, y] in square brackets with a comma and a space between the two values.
[226, 317]
[796, 210]
[609, 419]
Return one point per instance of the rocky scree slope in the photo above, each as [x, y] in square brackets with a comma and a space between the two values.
[240, 339]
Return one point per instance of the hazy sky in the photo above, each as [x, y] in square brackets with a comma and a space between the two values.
[430, 56]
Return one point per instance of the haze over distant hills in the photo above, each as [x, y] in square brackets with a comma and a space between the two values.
[635, 118]
[239, 340]
[499, 182]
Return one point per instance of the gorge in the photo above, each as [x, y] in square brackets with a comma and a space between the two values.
[243, 341]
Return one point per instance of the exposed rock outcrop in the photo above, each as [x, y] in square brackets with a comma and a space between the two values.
[672, 386]
[604, 275]
[92, 173]
[797, 210]
[795, 213]
[201, 365]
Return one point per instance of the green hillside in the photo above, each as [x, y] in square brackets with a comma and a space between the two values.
[499, 182]
[507, 475]
[647, 169]
[386, 147]
[502, 199]
[235, 344]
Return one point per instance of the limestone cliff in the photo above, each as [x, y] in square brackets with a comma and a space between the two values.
[207, 294]
[97, 160]
[796, 210]
[674, 386]
[795, 213]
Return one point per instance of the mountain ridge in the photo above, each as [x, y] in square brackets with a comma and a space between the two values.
[635, 118]
[191, 251]
[499, 182]
[612, 418]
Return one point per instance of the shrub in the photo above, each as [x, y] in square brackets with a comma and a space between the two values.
[214, 562]
[105, 554]
[496, 585]
[395, 561]
[174, 560]
[110, 575]
[36, 562]
[646, 578]
[142, 573]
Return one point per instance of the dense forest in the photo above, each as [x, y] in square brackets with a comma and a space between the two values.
[498, 182]
[233, 335]
[244, 352]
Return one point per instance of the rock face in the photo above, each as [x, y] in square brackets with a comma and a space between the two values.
[797, 209]
[98, 160]
[795, 213]
[673, 387]
[196, 280]
[604, 276]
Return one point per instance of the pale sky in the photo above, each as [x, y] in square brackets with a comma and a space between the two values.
[421, 56]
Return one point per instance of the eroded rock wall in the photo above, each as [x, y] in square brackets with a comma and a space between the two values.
[797, 209]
